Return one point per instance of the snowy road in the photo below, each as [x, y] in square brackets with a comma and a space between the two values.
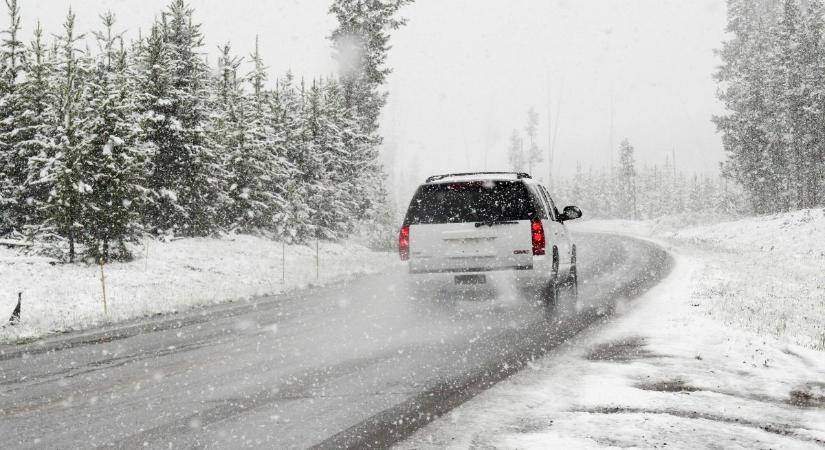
[358, 364]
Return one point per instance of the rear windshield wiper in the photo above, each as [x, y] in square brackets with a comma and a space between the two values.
[492, 223]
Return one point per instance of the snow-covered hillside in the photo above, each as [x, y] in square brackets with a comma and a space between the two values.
[728, 352]
[765, 274]
[166, 277]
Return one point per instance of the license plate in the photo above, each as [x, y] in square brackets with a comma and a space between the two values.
[470, 279]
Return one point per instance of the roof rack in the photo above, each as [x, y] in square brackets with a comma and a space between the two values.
[519, 175]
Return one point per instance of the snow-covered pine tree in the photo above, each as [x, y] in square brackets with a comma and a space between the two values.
[113, 160]
[665, 195]
[188, 175]
[227, 124]
[156, 115]
[695, 196]
[13, 162]
[245, 141]
[658, 193]
[344, 135]
[742, 78]
[63, 208]
[317, 164]
[785, 94]
[35, 124]
[680, 191]
[654, 189]
[290, 129]
[626, 188]
[813, 124]
[361, 44]
[370, 204]
[263, 133]
[643, 181]
[770, 83]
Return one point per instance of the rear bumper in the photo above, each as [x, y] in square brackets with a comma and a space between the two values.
[533, 276]
[479, 270]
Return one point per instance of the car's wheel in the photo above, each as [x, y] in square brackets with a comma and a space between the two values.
[552, 291]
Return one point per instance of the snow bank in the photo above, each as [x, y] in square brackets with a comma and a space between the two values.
[801, 233]
[651, 227]
[763, 274]
[166, 277]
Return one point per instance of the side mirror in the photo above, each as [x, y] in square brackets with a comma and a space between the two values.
[570, 213]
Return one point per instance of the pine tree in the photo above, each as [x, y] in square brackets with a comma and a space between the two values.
[627, 181]
[742, 77]
[63, 208]
[246, 142]
[263, 133]
[667, 195]
[317, 164]
[770, 82]
[35, 137]
[361, 44]
[695, 195]
[785, 95]
[95, 148]
[113, 161]
[227, 122]
[344, 134]
[289, 125]
[13, 162]
[153, 81]
[813, 108]
[175, 95]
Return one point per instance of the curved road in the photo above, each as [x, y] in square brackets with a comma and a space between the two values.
[360, 364]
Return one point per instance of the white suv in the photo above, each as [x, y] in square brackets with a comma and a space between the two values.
[490, 227]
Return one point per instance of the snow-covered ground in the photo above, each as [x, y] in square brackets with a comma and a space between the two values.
[764, 274]
[166, 277]
[727, 352]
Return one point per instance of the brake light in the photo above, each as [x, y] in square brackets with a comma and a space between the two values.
[539, 242]
[404, 243]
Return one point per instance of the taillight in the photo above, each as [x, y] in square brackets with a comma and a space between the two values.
[539, 242]
[404, 243]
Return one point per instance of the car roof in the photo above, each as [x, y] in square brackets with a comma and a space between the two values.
[488, 176]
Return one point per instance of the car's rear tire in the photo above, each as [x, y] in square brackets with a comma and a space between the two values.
[551, 293]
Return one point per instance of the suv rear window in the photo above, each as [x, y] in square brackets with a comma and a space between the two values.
[477, 201]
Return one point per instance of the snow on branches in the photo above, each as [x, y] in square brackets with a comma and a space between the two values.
[101, 147]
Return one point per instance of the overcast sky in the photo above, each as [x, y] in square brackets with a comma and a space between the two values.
[465, 72]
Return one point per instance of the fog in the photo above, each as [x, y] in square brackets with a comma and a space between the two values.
[466, 71]
[465, 76]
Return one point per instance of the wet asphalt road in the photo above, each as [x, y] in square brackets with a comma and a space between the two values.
[361, 364]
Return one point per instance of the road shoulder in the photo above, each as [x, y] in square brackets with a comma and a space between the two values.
[166, 279]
